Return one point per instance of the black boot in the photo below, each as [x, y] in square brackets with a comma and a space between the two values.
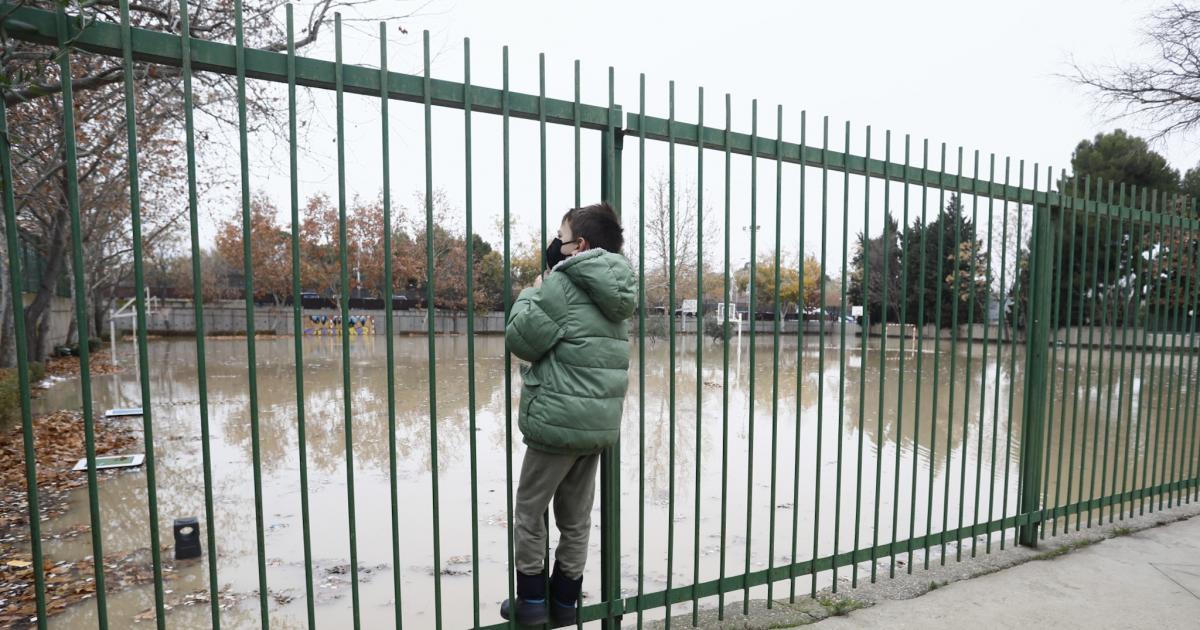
[531, 601]
[564, 595]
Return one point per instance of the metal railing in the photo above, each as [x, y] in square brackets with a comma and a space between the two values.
[1154, 246]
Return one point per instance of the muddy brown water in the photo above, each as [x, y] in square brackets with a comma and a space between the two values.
[824, 399]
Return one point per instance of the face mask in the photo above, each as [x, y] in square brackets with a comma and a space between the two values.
[554, 253]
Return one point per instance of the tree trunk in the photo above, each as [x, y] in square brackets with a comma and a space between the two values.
[37, 320]
[8, 354]
[99, 307]
[73, 324]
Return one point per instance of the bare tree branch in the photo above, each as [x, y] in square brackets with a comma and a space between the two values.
[1163, 90]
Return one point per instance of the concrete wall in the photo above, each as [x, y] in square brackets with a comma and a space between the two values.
[975, 332]
[230, 319]
[62, 311]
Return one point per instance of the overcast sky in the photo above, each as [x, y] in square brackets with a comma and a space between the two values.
[985, 77]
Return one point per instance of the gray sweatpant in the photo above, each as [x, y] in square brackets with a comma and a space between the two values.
[570, 480]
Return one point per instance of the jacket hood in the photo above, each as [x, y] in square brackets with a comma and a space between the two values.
[606, 278]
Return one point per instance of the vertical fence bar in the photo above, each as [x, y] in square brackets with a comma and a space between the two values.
[957, 218]
[864, 336]
[777, 315]
[1054, 321]
[389, 330]
[1184, 480]
[1110, 343]
[1166, 371]
[641, 581]
[470, 229]
[297, 311]
[1068, 277]
[983, 370]
[1087, 405]
[139, 283]
[753, 361]
[251, 360]
[1151, 299]
[1034, 408]
[15, 277]
[1194, 400]
[900, 376]
[724, 360]
[610, 460]
[1137, 366]
[699, 347]
[1176, 365]
[1131, 306]
[864, 332]
[1025, 444]
[1117, 310]
[1179, 431]
[1168, 352]
[1153, 420]
[1056, 305]
[1013, 316]
[962, 496]
[1163, 415]
[983, 363]
[1153, 303]
[1186, 467]
[820, 349]
[962, 475]
[430, 316]
[508, 433]
[575, 111]
[1182, 299]
[545, 263]
[883, 321]
[937, 339]
[670, 346]
[85, 374]
[912, 513]
[1163, 357]
[343, 251]
[1079, 365]
[1173, 417]
[837, 493]
[611, 147]
[542, 147]
[800, 325]
[185, 38]
[201, 370]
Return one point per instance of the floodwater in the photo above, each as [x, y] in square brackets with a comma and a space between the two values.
[846, 414]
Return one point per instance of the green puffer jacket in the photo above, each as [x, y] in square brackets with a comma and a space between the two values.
[573, 331]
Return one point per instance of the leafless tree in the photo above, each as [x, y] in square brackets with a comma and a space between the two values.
[1163, 89]
[659, 240]
[33, 90]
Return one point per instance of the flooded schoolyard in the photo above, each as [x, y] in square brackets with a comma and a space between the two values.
[810, 396]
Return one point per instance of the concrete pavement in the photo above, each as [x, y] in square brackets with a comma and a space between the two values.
[1147, 579]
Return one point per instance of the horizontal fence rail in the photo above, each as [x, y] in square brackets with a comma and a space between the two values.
[1023, 363]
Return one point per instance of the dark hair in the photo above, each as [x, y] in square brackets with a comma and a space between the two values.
[599, 224]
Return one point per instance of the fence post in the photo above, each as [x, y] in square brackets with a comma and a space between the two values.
[1036, 351]
[610, 460]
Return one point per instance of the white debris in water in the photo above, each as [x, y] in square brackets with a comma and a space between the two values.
[49, 381]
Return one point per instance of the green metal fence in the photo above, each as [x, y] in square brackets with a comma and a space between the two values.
[1140, 411]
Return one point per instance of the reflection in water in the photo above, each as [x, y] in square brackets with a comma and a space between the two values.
[891, 445]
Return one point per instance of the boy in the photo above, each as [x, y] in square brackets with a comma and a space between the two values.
[571, 327]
